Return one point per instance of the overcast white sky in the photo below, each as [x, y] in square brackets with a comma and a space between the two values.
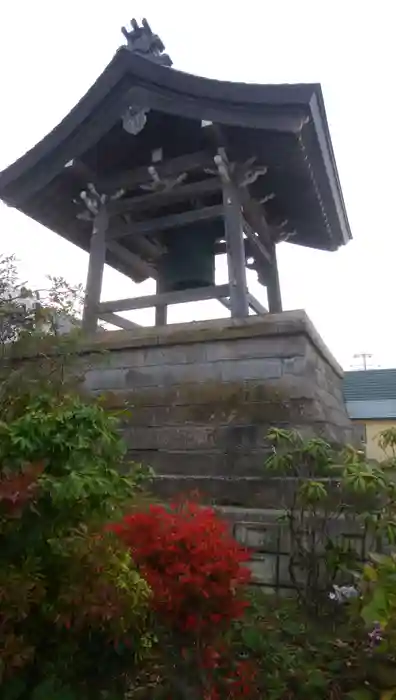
[51, 52]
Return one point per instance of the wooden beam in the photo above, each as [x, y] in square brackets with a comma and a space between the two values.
[166, 299]
[221, 248]
[167, 222]
[226, 302]
[168, 168]
[235, 254]
[161, 310]
[119, 321]
[81, 171]
[97, 255]
[272, 119]
[252, 210]
[255, 216]
[273, 287]
[253, 304]
[261, 253]
[235, 245]
[159, 199]
[256, 306]
[140, 267]
[143, 245]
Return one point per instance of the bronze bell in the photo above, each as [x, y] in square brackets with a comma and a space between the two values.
[190, 259]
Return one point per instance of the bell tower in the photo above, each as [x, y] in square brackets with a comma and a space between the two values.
[156, 172]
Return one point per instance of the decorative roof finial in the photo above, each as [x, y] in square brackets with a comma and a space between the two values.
[142, 41]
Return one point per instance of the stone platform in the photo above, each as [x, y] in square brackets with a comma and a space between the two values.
[201, 398]
[203, 395]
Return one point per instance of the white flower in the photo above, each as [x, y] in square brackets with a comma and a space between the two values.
[341, 594]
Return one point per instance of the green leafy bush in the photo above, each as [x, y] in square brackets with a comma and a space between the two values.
[73, 609]
[330, 495]
[299, 657]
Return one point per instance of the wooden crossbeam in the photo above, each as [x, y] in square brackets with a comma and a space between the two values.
[256, 306]
[147, 248]
[119, 321]
[253, 304]
[166, 222]
[226, 302]
[158, 199]
[138, 266]
[261, 253]
[254, 215]
[167, 168]
[165, 299]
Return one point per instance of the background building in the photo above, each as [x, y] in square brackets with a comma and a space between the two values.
[371, 404]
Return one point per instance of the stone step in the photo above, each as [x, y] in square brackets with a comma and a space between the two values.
[268, 540]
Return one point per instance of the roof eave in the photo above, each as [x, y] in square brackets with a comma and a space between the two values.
[131, 71]
[319, 118]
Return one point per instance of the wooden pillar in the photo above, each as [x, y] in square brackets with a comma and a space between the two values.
[273, 286]
[96, 263]
[161, 312]
[239, 302]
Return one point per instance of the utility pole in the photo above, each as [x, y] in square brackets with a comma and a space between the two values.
[364, 357]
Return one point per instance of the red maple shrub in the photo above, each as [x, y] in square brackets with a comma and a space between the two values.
[194, 567]
[197, 573]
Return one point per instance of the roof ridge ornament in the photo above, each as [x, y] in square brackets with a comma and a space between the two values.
[143, 42]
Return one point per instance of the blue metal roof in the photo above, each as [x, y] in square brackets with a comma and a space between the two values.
[371, 394]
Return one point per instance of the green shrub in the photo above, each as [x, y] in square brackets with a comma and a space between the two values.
[332, 495]
[298, 657]
[73, 610]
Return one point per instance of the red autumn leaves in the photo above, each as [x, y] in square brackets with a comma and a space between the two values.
[197, 573]
[17, 489]
[193, 565]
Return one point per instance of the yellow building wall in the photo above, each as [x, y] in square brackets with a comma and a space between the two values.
[373, 428]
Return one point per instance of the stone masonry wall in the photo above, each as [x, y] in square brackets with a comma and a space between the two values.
[201, 398]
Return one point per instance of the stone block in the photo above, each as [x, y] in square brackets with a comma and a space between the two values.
[203, 462]
[264, 570]
[260, 537]
[294, 365]
[252, 492]
[170, 438]
[251, 348]
[267, 368]
[172, 374]
[175, 355]
[105, 379]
